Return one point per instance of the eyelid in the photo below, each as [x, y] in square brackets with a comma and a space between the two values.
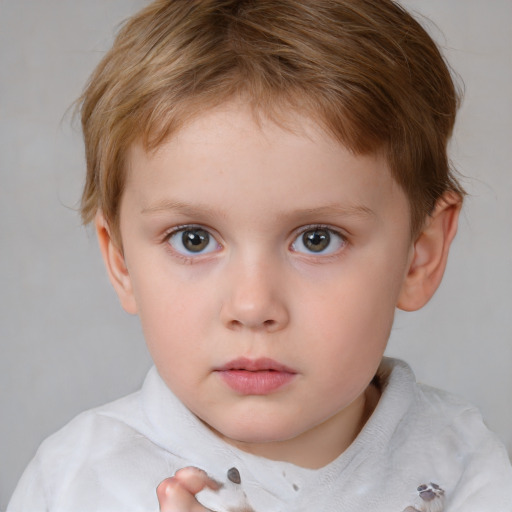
[181, 227]
[328, 227]
[184, 227]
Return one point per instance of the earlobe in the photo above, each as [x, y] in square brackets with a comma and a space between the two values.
[430, 254]
[115, 263]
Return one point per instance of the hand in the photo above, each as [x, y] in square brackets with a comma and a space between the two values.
[177, 494]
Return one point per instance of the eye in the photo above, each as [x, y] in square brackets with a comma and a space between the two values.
[192, 241]
[318, 240]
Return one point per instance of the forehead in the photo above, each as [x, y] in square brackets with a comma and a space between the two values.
[248, 160]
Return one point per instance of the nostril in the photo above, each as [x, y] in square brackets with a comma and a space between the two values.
[235, 325]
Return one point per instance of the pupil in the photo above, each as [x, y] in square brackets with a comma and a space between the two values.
[316, 240]
[196, 240]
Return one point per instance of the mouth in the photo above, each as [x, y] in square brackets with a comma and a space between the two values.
[255, 376]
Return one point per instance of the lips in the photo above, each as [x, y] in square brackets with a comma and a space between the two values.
[255, 376]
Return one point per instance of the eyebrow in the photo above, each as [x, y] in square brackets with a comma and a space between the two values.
[333, 210]
[178, 207]
[330, 210]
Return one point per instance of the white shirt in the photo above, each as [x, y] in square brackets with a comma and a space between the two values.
[418, 443]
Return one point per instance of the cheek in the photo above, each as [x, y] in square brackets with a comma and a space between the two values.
[351, 341]
[174, 327]
[173, 315]
[352, 318]
[354, 301]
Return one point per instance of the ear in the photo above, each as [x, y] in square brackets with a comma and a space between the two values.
[430, 253]
[115, 263]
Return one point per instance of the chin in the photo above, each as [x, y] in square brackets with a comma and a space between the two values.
[258, 432]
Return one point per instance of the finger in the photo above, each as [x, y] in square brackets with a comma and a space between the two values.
[176, 494]
[194, 479]
[173, 497]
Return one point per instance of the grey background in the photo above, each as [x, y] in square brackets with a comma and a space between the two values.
[66, 345]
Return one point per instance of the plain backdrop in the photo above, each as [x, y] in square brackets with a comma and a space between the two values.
[66, 345]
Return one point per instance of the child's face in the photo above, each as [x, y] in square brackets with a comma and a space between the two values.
[265, 267]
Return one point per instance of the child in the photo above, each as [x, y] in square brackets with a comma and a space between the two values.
[269, 180]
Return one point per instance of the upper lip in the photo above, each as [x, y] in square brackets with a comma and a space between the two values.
[255, 365]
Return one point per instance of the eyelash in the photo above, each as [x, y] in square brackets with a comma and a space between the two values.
[189, 257]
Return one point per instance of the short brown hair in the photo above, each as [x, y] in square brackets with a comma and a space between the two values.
[364, 70]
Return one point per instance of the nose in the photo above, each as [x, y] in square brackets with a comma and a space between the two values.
[255, 298]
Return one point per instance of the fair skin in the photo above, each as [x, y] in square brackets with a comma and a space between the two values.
[265, 265]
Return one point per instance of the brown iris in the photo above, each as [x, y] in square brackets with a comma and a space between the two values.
[316, 240]
[195, 240]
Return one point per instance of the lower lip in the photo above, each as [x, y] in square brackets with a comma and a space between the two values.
[260, 382]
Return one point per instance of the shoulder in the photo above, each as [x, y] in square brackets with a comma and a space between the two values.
[96, 455]
[458, 422]
[422, 404]
[104, 430]
[443, 435]
[485, 471]
[103, 425]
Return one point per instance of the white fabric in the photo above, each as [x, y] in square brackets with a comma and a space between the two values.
[111, 459]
